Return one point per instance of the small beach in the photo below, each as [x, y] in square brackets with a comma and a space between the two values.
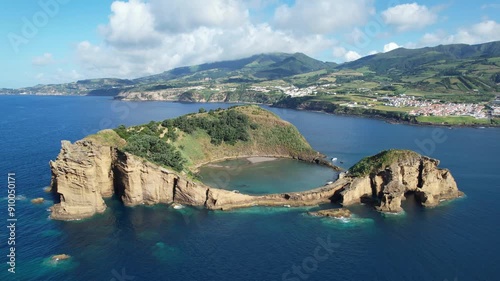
[260, 159]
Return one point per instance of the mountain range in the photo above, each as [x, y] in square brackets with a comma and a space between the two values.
[446, 68]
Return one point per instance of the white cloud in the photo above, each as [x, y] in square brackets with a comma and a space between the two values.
[322, 16]
[184, 16]
[58, 76]
[131, 24]
[390, 46]
[485, 31]
[144, 38]
[43, 60]
[345, 55]
[355, 35]
[431, 39]
[352, 55]
[339, 52]
[481, 32]
[259, 4]
[409, 16]
[198, 46]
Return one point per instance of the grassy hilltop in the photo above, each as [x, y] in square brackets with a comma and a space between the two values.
[185, 142]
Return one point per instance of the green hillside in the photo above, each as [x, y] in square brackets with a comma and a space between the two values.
[91, 87]
[445, 69]
[411, 60]
[258, 67]
[188, 141]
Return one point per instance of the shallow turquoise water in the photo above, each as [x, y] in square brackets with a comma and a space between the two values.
[455, 241]
[277, 176]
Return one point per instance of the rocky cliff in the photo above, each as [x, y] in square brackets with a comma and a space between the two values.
[86, 172]
[389, 176]
[99, 166]
[199, 94]
[82, 175]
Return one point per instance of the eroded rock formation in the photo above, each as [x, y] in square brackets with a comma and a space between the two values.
[82, 175]
[387, 185]
[87, 171]
[332, 213]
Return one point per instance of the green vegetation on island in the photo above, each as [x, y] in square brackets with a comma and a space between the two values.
[381, 160]
[227, 126]
[156, 150]
[185, 142]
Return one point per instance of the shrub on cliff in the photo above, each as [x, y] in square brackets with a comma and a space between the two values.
[122, 132]
[229, 126]
[155, 150]
[379, 161]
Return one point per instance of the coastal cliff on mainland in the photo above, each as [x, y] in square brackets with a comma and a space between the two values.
[153, 164]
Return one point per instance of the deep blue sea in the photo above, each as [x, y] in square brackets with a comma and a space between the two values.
[455, 241]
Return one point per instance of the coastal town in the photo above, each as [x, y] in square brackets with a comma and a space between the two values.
[291, 90]
[365, 98]
[438, 108]
[422, 107]
[451, 109]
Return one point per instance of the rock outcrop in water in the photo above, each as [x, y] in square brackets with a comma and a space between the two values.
[332, 213]
[98, 167]
[82, 175]
[389, 176]
[86, 172]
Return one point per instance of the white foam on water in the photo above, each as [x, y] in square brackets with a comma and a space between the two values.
[18, 198]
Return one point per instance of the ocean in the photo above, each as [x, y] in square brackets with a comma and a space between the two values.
[455, 241]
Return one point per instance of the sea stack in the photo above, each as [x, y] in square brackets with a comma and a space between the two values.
[386, 178]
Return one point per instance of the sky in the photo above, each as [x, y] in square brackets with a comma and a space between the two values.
[58, 41]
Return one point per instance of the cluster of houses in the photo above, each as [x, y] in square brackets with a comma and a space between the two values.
[452, 109]
[495, 106]
[288, 90]
[406, 101]
[496, 111]
[436, 108]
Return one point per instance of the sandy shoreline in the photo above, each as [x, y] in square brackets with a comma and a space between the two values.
[252, 160]
[259, 159]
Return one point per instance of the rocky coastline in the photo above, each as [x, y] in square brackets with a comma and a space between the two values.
[87, 171]
[322, 109]
[388, 117]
